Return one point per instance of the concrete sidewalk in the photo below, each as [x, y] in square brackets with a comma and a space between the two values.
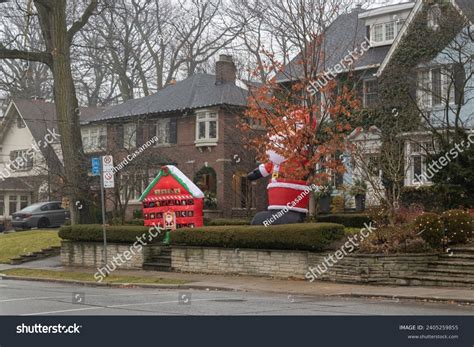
[290, 286]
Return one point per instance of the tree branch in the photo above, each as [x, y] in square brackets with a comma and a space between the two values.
[41, 57]
[78, 25]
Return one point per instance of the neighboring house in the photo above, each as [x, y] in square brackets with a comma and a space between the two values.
[444, 85]
[196, 124]
[385, 28]
[30, 154]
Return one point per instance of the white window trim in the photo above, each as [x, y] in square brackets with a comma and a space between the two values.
[86, 133]
[411, 162]
[23, 154]
[128, 138]
[207, 141]
[445, 81]
[434, 14]
[365, 90]
[396, 27]
[161, 122]
[7, 214]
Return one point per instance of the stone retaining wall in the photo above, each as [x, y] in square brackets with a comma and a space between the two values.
[273, 263]
[375, 269]
[353, 268]
[89, 254]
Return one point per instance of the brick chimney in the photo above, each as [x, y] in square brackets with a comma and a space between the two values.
[357, 8]
[225, 70]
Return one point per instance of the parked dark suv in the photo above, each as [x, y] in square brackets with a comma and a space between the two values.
[40, 215]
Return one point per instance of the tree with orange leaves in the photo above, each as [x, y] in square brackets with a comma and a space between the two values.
[305, 129]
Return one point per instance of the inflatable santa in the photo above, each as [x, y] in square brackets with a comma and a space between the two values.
[288, 192]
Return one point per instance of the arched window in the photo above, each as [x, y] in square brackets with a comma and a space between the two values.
[205, 179]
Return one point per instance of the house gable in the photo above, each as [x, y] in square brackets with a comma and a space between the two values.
[418, 10]
[16, 135]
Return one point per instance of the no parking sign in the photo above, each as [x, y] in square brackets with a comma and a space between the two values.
[107, 171]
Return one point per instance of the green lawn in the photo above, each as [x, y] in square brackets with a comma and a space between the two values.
[24, 242]
[87, 276]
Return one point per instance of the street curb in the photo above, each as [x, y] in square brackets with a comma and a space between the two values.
[405, 297]
[114, 285]
[227, 289]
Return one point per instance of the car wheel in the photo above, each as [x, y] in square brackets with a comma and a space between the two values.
[43, 223]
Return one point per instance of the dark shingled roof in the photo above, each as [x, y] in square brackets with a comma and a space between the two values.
[346, 33]
[467, 8]
[194, 92]
[40, 116]
[15, 183]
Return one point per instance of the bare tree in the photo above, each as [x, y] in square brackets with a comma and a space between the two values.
[23, 79]
[58, 37]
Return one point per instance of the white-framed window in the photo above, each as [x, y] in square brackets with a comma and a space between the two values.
[385, 33]
[390, 31]
[371, 92]
[163, 131]
[130, 135]
[434, 84]
[418, 162]
[434, 16]
[207, 127]
[12, 204]
[21, 160]
[23, 201]
[15, 203]
[94, 138]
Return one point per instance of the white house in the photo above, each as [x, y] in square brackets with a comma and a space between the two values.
[30, 154]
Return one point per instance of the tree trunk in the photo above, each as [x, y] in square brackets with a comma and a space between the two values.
[67, 113]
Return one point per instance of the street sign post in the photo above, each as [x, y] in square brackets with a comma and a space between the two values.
[108, 171]
[106, 174]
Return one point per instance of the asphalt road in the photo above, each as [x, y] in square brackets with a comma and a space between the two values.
[41, 298]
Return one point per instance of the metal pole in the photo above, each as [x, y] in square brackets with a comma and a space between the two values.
[103, 210]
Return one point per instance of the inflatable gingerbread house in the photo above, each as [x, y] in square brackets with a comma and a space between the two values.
[172, 201]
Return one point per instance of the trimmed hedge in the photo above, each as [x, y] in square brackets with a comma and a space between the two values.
[350, 220]
[136, 221]
[304, 236]
[116, 234]
[458, 225]
[431, 229]
[227, 221]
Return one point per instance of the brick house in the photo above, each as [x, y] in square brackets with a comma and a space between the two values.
[195, 122]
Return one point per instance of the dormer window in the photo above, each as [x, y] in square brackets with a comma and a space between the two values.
[385, 33]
